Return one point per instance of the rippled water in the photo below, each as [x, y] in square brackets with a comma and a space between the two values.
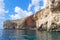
[28, 35]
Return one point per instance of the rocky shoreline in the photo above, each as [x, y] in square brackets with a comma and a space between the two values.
[47, 19]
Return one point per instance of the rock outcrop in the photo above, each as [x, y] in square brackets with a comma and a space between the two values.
[46, 19]
[8, 24]
[25, 23]
[49, 18]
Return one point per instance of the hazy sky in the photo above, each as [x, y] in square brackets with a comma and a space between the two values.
[16, 9]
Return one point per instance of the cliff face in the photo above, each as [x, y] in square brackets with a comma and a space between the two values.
[9, 24]
[25, 23]
[45, 19]
[49, 18]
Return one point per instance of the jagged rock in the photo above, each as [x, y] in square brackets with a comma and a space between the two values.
[25, 23]
[46, 19]
[9, 25]
[29, 22]
[49, 15]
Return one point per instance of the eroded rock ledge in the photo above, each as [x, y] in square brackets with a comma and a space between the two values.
[46, 19]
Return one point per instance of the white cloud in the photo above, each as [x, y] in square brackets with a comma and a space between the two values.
[29, 7]
[16, 16]
[20, 13]
[2, 13]
[37, 8]
[2, 8]
[36, 4]
[45, 4]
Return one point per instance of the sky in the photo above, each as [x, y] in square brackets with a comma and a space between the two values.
[17, 9]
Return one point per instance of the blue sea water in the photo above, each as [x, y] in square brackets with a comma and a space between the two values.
[28, 35]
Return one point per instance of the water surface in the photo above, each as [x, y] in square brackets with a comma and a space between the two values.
[28, 35]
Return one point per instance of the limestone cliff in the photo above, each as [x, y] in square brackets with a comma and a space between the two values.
[45, 19]
[25, 23]
[49, 18]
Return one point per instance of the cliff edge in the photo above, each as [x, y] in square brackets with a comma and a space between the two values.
[46, 19]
